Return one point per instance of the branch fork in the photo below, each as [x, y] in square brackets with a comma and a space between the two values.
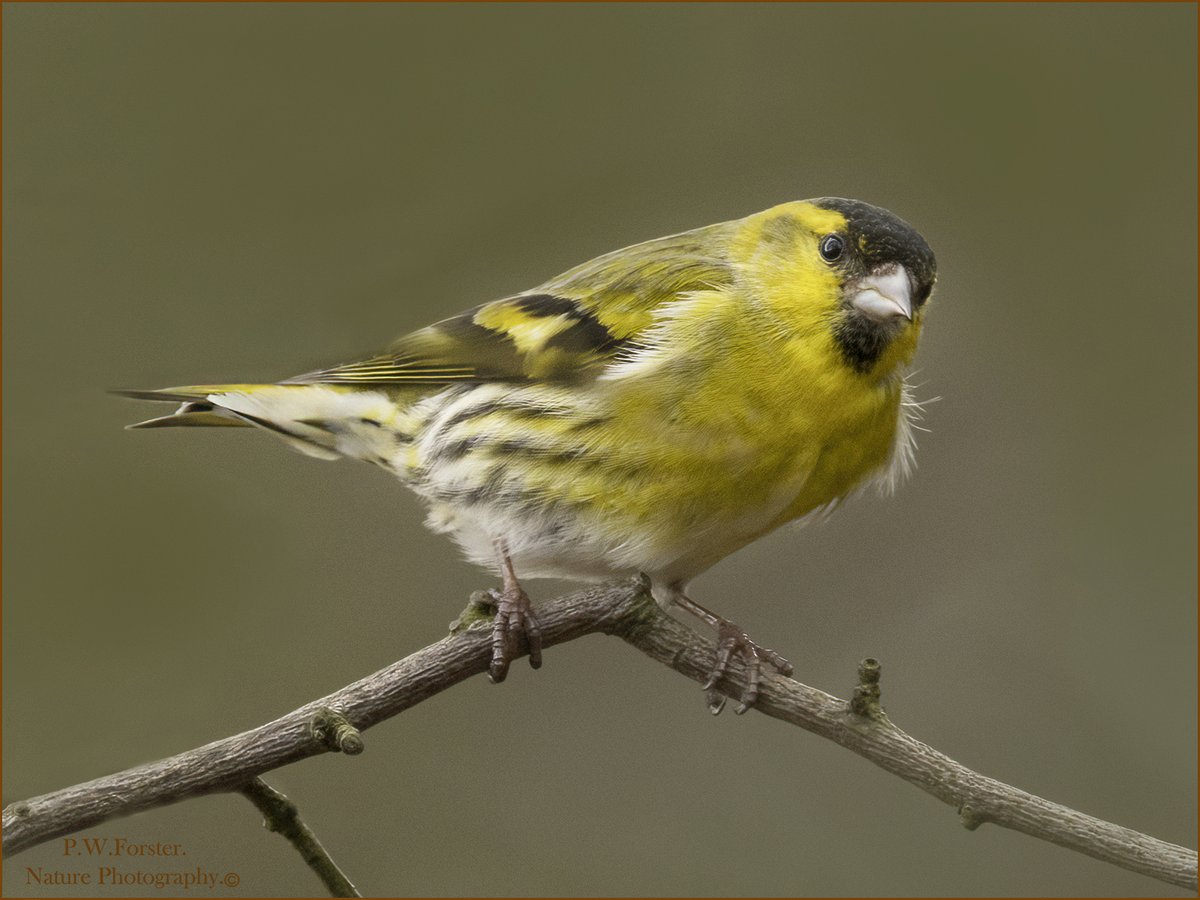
[626, 610]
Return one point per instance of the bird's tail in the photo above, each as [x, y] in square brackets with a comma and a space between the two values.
[325, 421]
[195, 409]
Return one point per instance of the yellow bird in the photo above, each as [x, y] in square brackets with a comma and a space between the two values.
[650, 411]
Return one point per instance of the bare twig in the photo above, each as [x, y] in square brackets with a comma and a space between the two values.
[282, 817]
[626, 611]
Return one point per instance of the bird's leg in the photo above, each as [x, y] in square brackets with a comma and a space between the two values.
[730, 639]
[514, 618]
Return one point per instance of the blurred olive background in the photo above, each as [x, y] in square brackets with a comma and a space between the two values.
[243, 192]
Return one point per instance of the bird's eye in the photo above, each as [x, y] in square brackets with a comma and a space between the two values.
[831, 247]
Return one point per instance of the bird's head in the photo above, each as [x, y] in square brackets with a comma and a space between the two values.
[854, 272]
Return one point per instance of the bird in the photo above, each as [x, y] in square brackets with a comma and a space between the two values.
[645, 413]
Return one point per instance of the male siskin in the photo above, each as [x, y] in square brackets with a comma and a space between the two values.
[649, 411]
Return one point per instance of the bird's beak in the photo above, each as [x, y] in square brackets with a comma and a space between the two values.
[884, 295]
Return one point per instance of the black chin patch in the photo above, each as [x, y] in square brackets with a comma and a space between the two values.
[877, 241]
[861, 340]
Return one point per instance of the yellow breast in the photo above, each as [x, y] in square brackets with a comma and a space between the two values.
[699, 460]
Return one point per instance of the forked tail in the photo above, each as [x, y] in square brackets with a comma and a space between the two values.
[325, 421]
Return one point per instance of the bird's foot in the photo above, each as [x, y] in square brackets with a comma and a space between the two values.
[514, 620]
[732, 639]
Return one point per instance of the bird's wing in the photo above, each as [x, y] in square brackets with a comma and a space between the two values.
[567, 329]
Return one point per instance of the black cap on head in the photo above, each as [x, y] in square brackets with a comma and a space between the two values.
[879, 237]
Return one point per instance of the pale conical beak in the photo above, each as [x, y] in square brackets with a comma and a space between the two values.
[885, 295]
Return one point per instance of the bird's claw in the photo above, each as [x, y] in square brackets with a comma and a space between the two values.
[716, 701]
[514, 619]
[730, 639]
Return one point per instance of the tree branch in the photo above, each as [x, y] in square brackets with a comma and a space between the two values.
[281, 816]
[624, 610]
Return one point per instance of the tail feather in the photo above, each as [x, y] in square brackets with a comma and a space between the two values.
[196, 410]
[187, 392]
[192, 419]
[319, 420]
